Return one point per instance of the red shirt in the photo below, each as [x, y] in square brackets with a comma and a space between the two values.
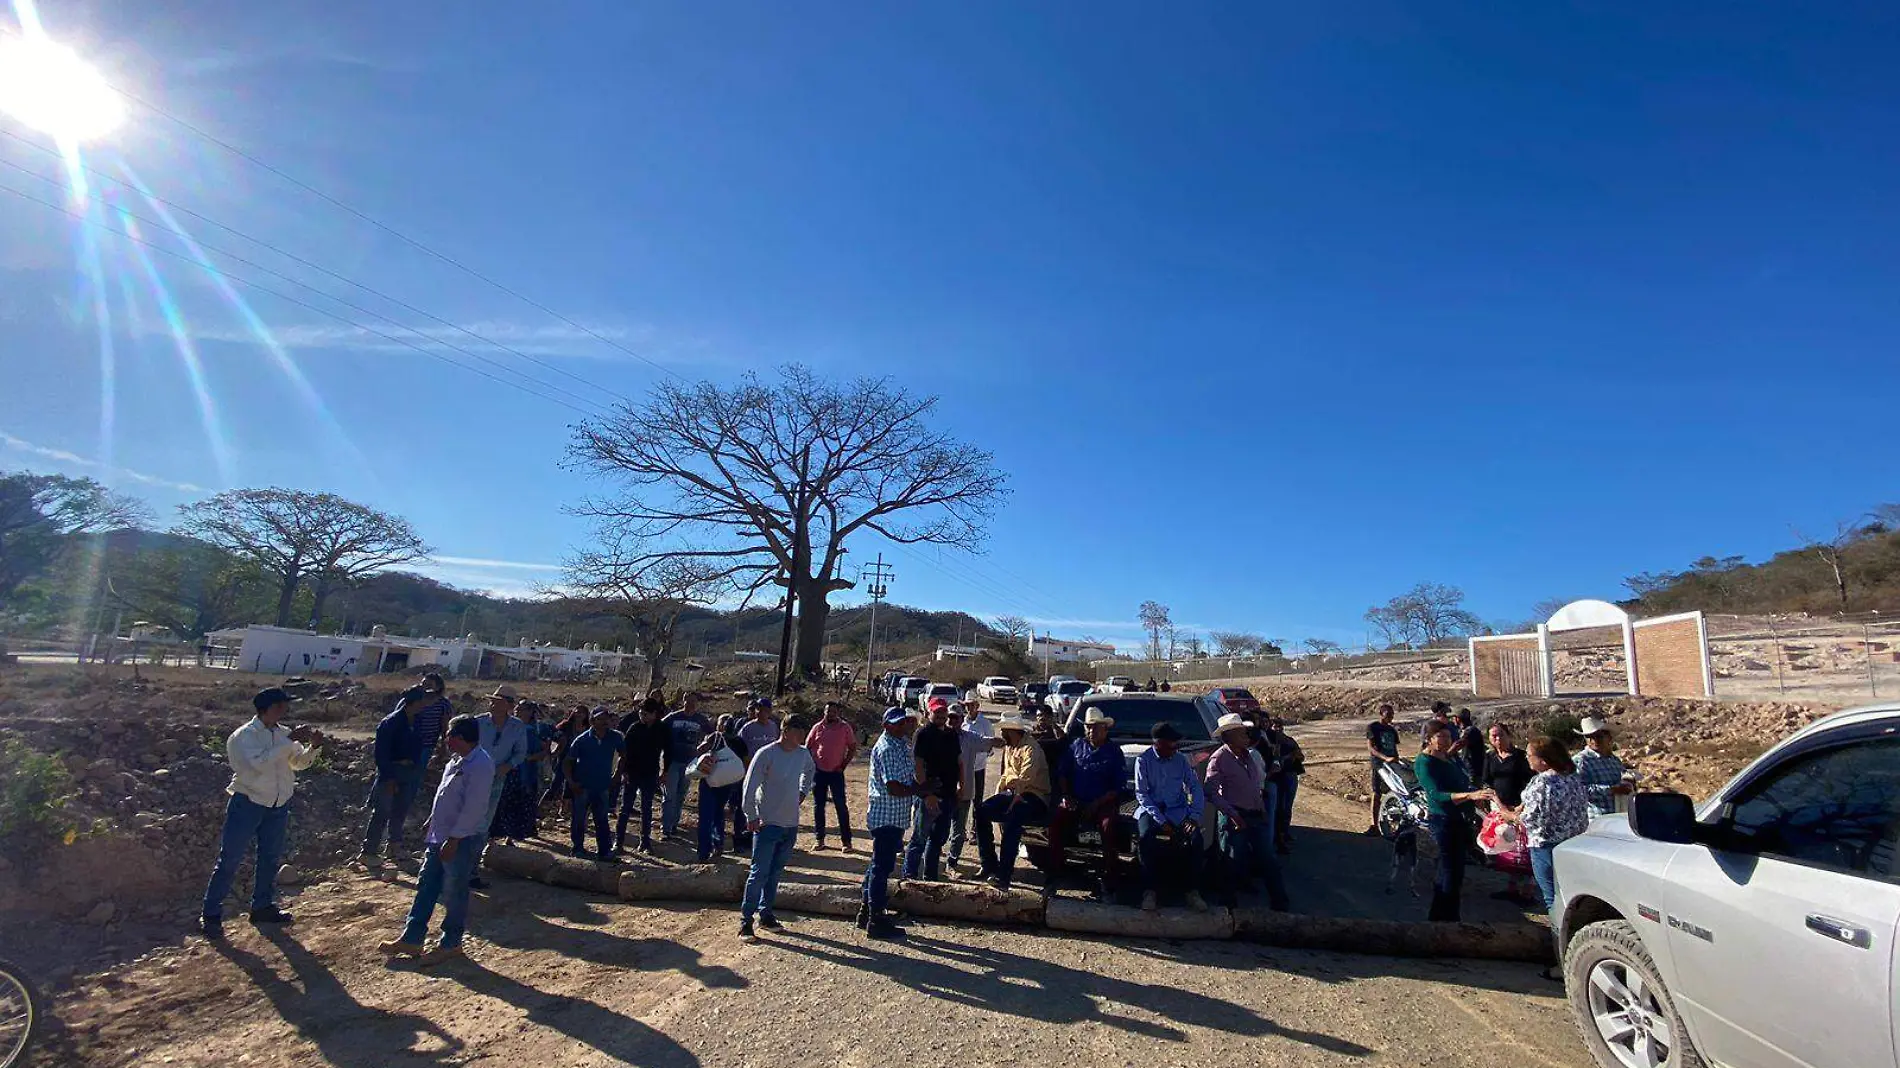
[831, 744]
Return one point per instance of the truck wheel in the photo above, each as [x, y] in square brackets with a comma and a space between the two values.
[1619, 1001]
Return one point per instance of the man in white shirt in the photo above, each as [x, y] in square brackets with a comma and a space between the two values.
[265, 758]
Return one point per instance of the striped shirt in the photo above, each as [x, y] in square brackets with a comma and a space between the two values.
[1599, 773]
[891, 761]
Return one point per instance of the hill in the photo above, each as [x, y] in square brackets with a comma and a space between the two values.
[1856, 571]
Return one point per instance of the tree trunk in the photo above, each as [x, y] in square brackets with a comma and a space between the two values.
[286, 593]
[320, 594]
[813, 611]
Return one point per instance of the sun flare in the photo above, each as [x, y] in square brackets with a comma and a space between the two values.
[48, 87]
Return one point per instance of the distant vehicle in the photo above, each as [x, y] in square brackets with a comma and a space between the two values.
[1116, 684]
[1754, 931]
[1064, 695]
[909, 689]
[997, 688]
[1033, 693]
[1235, 699]
[886, 684]
[1054, 679]
[946, 690]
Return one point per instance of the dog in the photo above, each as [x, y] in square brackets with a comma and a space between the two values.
[1404, 851]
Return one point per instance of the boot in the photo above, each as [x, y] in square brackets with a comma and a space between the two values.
[881, 927]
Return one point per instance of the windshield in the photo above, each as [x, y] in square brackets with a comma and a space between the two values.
[944, 688]
[1135, 717]
[1234, 693]
[1072, 689]
[996, 680]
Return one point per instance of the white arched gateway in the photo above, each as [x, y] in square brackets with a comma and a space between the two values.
[1663, 657]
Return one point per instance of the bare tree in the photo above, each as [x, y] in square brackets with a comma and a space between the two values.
[1321, 647]
[1833, 550]
[1423, 615]
[768, 482]
[1236, 643]
[1154, 620]
[40, 514]
[624, 578]
[292, 535]
[1015, 629]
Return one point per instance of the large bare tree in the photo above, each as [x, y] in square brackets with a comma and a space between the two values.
[293, 535]
[1426, 614]
[768, 482]
[626, 578]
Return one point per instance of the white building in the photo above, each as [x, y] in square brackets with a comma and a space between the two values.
[283, 651]
[1064, 651]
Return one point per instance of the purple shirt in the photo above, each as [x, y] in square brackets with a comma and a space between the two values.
[461, 802]
[1234, 783]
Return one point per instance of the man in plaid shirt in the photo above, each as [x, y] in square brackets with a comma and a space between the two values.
[1599, 768]
[893, 785]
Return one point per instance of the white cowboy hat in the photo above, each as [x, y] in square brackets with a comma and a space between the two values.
[1014, 722]
[506, 693]
[1592, 725]
[1095, 715]
[1231, 721]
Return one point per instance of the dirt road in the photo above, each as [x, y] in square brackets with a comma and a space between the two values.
[559, 978]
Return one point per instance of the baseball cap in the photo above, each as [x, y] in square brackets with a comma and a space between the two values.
[274, 695]
[938, 702]
[894, 715]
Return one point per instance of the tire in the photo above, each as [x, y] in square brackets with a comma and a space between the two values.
[1606, 969]
[1391, 816]
[19, 1015]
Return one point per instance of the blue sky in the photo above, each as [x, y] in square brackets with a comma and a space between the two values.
[1269, 310]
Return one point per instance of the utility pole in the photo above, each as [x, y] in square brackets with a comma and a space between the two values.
[877, 577]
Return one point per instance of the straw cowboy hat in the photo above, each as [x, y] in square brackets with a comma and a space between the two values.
[1592, 725]
[1014, 722]
[1231, 722]
[1096, 716]
[506, 693]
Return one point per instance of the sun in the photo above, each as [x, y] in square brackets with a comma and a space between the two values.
[48, 87]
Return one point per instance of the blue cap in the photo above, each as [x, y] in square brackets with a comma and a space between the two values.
[894, 715]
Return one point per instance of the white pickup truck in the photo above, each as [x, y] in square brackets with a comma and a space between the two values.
[1757, 930]
[1117, 684]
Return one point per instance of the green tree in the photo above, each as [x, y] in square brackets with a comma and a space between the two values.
[41, 514]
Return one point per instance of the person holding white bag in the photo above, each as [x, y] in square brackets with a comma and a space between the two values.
[720, 767]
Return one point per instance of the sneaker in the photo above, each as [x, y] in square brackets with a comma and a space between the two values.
[769, 921]
[745, 931]
[820, 847]
[270, 914]
[396, 947]
[998, 882]
[212, 927]
[438, 954]
[883, 929]
[1195, 901]
[1148, 901]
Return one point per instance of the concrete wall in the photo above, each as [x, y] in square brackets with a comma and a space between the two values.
[1669, 658]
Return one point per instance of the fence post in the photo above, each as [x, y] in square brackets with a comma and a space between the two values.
[1780, 683]
[1867, 651]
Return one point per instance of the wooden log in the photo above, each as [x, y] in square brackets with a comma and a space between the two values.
[1087, 916]
[1394, 938]
[581, 874]
[522, 862]
[816, 899]
[967, 901]
[697, 882]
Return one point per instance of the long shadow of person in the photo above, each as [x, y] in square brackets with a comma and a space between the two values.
[621, 1037]
[346, 1032]
[526, 930]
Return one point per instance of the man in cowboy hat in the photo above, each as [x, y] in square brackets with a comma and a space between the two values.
[1236, 785]
[1600, 770]
[1168, 802]
[505, 738]
[1022, 798]
[1096, 791]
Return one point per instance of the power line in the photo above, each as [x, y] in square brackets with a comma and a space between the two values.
[306, 286]
[392, 231]
[299, 260]
[161, 250]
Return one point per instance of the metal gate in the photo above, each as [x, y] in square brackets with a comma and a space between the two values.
[1519, 673]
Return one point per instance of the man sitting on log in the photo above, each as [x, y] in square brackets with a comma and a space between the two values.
[1168, 816]
[1022, 798]
[1096, 793]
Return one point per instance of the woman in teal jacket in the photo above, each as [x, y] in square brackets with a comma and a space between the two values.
[1449, 796]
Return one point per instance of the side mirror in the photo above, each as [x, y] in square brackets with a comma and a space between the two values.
[1663, 817]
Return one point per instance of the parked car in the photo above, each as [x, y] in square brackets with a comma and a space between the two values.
[1033, 693]
[949, 691]
[887, 685]
[1235, 699]
[1116, 684]
[909, 689]
[1756, 930]
[1064, 695]
[997, 688]
[1055, 679]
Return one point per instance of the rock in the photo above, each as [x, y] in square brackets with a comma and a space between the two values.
[288, 875]
[162, 774]
[76, 763]
[101, 914]
[168, 748]
[146, 819]
[103, 767]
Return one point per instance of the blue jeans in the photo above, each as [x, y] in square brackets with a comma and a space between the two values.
[830, 782]
[1031, 809]
[390, 796]
[771, 848]
[246, 821]
[644, 788]
[1544, 870]
[1157, 855]
[1452, 835]
[927, 837]
[675, 802]
[1250, 850]
[885, 845]
[1270, 802]
[712, 817]
[589, 803]
[1283, 819]
[449, 883]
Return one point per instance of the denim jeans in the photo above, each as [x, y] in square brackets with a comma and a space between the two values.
[494, 805]
[886, 842]
[1270, 802]
[830, 782]
[590, 803]
[645, 788]
[675, 803]
[959, 829]
[246, 821]
[712, 817]
[1452, 834]
[1031, 809]
[447, 882]
[1249, 850]
[771, 848]
[1544, 870]
[1283, 819]
[928, 834]
[1158, 855]
[390, 796]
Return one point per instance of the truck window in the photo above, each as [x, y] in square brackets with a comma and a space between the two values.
[1838, 808]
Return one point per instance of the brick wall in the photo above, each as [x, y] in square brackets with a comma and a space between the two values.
[1487, 659]
[1669, 659]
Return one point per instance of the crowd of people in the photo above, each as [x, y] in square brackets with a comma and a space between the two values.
[507, 769]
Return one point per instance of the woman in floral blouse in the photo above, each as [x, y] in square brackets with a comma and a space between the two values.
[1555, 808]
